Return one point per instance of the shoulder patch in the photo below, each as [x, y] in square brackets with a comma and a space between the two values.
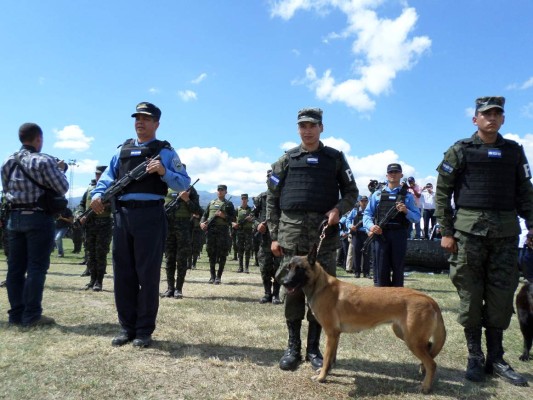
[446, 167]
[274, 180]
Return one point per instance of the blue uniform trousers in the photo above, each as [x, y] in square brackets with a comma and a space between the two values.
[139, 238]
[31, 240]
[389, 256]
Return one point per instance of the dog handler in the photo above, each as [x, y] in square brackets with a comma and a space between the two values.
[303, 191]
[490, 179]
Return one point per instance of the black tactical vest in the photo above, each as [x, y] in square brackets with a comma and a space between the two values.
[131, 156]
[488, 180]
[311, 181]
[386, 202]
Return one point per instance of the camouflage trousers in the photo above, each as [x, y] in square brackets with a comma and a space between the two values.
[98, 234]
[218, 243]
[198, 238]
[268, 263]
[178, 248]
[244, 244]
[295, 304]
[485, 272]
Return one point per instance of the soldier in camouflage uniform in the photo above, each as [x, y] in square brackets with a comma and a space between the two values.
[268, 263]
[490, 180]
[217, 219]
[243, 228]
[303, 192]
[198, 237]
[98, 233]
[178, 247]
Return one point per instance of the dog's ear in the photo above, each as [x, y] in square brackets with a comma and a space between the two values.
[311, 257]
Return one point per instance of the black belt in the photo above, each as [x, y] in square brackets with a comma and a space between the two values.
[140, 203]
[24, 206]
[394, 227]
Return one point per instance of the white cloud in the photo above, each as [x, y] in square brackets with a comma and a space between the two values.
[72, 137]
[527, 110]
[214, 166]
[521, 86]
[187, 95]
[153, 90]
[381, 48]
[199, 79]
[470, 112]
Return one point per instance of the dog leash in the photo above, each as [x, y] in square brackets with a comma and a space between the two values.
[322, 236]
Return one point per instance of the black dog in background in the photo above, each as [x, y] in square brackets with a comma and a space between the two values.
[524, 308]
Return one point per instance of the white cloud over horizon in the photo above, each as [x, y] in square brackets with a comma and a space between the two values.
[381, 48]
[199, 78]
[72, 137]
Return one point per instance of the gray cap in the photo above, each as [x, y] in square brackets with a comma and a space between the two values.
[488, 102]
[313, 115]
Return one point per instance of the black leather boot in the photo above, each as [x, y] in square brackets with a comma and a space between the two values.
[170, 286]
[275, 292]
[293, 355]
[495, 364]
[212, 265]
[476, 358]
[98, 286]
[313, 354]
[267, 298]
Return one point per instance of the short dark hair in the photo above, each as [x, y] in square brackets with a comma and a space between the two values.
[29, 131]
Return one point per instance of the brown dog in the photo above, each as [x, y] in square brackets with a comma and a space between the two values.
[343, 307]
[524, 308]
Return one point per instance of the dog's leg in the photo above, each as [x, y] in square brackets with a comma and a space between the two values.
[397, 330]
[332, 342]
[419, 347]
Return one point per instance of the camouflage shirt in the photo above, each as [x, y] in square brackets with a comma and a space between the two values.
[482, 222]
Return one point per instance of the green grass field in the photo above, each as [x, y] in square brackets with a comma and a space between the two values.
[220, 343]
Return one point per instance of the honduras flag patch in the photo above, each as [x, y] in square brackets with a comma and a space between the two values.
[495, 153]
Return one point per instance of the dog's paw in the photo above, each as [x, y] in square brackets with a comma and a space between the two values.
[524, 357]
[319, 377]
[425, 390]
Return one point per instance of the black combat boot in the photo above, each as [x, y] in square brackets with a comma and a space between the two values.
[267, 298]
[246, 265]
[275, 292]
[194, 260]
[98, 286]
[495, 363]
[178, 294]
[313, 343]
[221, 264]
[212, 265]
[476, 358]
[86, 272]
[240, 265]
[293, 355]
[92, 281]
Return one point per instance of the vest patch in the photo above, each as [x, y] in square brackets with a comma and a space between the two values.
[135, 153]
[312, 160]
[495, 153]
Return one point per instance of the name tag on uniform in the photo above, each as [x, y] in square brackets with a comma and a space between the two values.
[392, 197]
[135, 153]
[312, 160]
[495, 153]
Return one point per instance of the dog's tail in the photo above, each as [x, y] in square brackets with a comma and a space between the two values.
[439, 335]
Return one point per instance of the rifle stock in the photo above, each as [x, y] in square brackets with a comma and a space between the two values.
[136, 174]
[175, 205]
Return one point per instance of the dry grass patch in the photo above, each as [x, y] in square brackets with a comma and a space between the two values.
[220, 343]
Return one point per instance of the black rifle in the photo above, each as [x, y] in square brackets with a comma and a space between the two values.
[136, 174]
[390, 215]
[222, 208]
[175, 205]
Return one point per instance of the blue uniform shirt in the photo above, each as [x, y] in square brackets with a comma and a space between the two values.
[413, 213]
[175, 177]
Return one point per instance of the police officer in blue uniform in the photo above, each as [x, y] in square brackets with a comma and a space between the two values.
[140, 224]
[391, 243]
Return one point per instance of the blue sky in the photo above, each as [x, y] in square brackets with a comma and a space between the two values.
[396, 79]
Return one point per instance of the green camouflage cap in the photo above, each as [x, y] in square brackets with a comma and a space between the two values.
[313, 115]
[488, 102]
